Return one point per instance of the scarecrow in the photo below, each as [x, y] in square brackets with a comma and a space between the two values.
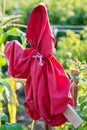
[47, 89]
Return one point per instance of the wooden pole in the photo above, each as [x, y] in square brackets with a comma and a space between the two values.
[47, 127]
[74, 86]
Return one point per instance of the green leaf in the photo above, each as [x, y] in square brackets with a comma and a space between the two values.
[1, 104]
[1, 97]
[8, 91]
[84, 104]
[3, 127]
[13, 32]
[1, 29]
[15, 126]
[1, 89]
[3, 117]
[3, 37]
[2, 60]
[16, 32]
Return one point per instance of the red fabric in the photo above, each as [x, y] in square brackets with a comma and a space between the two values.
[47, 89]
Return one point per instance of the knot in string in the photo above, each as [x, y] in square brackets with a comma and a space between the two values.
[38, 55]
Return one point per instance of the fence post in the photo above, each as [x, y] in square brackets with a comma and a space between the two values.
[74, 86]
[47, 127]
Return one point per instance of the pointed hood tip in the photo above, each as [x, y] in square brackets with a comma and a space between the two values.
[42, 4]
[38, 14]
[39, 33]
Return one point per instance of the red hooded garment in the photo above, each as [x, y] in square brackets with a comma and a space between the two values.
[47, 89]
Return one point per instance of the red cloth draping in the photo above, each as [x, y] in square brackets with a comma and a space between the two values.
[47, 89]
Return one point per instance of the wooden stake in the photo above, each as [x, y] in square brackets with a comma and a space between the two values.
[47, 127]
[74, 86]
[72, 116]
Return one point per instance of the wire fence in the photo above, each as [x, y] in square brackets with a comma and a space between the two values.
[65, 28]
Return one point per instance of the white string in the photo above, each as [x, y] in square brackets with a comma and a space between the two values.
[38, 55]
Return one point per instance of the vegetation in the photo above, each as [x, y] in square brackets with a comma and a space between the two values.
[8, 97]
[72, 46]
[71, 52]
[60, 12]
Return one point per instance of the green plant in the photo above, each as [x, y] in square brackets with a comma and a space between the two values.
[72, 46]
[9, 126]
[8, 97]
[82, 93]
[60, 12]
[4, 125]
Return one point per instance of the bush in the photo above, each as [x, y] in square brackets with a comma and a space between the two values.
[60, 12]
[72, 46]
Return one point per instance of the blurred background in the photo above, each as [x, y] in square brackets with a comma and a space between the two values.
[68, 19]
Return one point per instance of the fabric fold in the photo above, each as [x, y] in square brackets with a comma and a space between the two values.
[47, 89]
[19, 59]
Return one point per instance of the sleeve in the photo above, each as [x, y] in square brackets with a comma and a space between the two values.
[18, 59]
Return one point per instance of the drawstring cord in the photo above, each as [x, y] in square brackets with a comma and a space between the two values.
[38, 55]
